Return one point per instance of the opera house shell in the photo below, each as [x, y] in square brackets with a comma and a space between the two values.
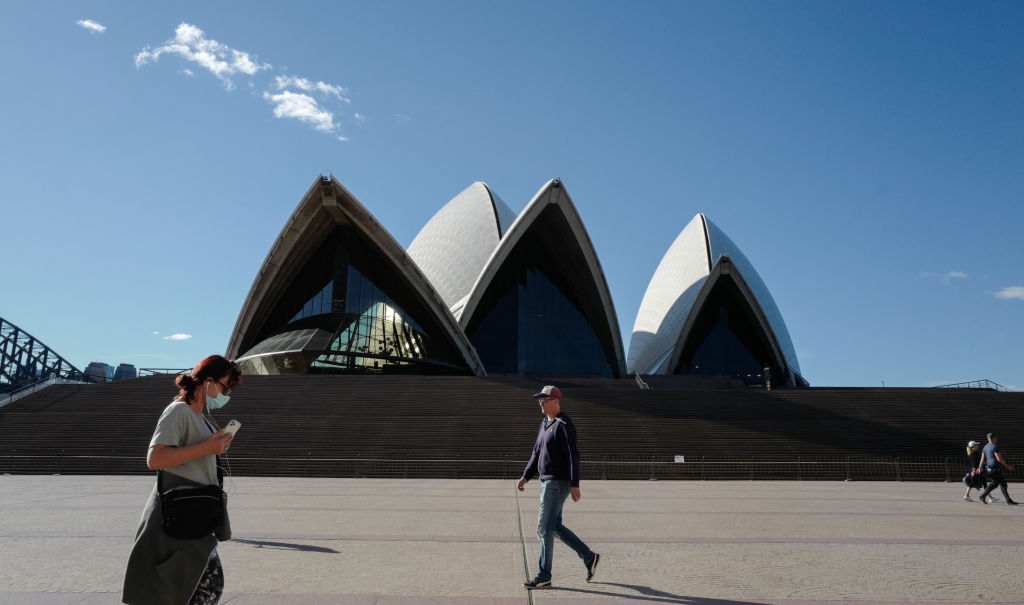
[482, 290]
[337, 294]
[706, 311]
[454, 245]
[541, 304]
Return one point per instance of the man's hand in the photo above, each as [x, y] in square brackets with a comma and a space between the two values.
[521, 483]
[575, 493]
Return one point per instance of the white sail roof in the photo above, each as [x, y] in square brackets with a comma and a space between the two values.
[674, 288]
[453, 246]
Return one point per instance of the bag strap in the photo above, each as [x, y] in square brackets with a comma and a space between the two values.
[160, 477]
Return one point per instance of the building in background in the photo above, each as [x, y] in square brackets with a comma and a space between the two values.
[484, 291]
[124, 371]
[99, 371]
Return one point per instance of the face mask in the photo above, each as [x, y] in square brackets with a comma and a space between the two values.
[216, 402]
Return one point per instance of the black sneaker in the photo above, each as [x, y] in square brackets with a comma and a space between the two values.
[983, 500]
[1011, 503]
[537, 583]
[592, 566]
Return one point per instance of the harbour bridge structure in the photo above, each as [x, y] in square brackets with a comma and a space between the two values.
[24, 359]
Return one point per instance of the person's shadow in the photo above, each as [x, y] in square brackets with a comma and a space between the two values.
[651, 595]
[285, 546]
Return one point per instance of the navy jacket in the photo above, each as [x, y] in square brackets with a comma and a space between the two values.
[554, 454]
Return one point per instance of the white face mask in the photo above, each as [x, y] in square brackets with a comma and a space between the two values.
[216, 402]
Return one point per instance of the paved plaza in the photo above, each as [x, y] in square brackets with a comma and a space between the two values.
[65, 539]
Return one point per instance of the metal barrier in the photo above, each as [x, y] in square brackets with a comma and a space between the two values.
[977, 384]
[704, 468]
[36, 386]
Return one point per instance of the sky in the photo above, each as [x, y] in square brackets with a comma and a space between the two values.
[867, 157]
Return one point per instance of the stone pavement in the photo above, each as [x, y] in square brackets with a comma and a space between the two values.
[65, 539]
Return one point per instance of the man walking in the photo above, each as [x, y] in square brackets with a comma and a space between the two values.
[993, 463]
[557, 460]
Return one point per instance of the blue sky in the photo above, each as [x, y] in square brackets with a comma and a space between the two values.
[867, 157]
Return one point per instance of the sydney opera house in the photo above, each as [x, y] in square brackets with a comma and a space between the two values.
[482, 291]
[367, 359]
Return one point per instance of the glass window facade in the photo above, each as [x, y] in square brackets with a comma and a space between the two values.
[379, 334]
[319, 304]
[530, 321]
[727, 339]
[335, 319]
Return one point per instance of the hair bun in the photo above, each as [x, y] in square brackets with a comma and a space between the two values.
[186, 381]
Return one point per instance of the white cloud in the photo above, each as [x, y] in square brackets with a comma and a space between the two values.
[401, 117]
[178, 337]
[291, 96]
[191, 43]
[302, 107]
[155, 333]
[360, 118]
[947, 276]
[283, 82]
[1012, 292]
[91, 25]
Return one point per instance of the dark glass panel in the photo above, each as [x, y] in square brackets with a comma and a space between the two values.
[529, 322]
[296, 303]
[320, 303]
[727, 339]
[495, 339]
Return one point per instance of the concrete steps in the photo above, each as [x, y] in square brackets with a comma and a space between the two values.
[412, 425]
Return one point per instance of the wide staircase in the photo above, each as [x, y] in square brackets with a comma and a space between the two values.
[467, 427]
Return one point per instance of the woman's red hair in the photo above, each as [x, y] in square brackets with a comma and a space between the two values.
[214, 367]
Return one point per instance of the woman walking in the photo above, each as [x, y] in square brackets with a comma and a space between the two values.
[166, 570]
[975, 481]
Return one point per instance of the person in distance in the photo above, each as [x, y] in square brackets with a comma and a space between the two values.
[993, 462]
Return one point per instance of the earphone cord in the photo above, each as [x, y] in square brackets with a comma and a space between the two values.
[224, 456]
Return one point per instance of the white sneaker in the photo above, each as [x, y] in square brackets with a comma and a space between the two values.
[993, 499]
[968, 498]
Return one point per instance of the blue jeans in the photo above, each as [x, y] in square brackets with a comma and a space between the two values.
[549, 524]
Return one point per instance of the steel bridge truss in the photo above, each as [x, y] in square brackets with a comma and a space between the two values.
[25, 360]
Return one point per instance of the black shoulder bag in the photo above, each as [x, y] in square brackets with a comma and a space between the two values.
[193, 512]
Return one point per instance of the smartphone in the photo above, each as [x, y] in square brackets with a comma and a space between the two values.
[232, 427]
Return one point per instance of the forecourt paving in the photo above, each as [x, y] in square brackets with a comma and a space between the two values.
[65, 539]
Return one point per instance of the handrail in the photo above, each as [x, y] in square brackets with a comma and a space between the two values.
[976, 384]
[155, 371]
[638, 467]
[640, 381]
[32, 387]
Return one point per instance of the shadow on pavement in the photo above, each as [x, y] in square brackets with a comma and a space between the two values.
[650, 595]
[285, 546]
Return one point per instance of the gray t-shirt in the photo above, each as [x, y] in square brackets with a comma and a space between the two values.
[179, 426]
[991, 462]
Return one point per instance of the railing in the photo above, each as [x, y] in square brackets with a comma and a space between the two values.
[152, 371]
[35, 386]
[640, 381]
[976, 384]
[703, 468]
